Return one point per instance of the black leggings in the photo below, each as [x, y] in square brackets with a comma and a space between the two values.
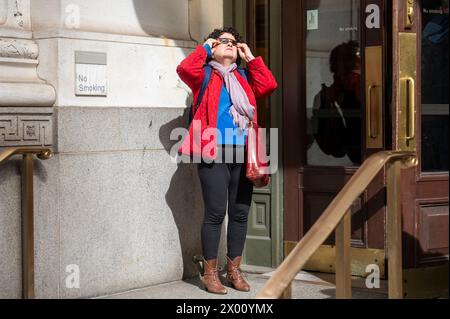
[222, 182]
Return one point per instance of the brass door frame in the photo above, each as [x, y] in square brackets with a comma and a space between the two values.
[420, 280]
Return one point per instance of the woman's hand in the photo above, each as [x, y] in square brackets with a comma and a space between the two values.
[244, 52]
[212, 43]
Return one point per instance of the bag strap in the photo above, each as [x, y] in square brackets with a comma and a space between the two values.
[208, 73]
[243, 72]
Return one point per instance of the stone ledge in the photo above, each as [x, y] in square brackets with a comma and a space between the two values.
[26, 94]
[109, 37]
[15, 33]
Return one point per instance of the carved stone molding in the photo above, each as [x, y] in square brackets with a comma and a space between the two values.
[20, 84]
[26, 130]
[3, 11]
[18, 48]
[15, 14]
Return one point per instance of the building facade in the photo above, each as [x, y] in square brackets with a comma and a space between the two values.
[95, 81]
[110, 201]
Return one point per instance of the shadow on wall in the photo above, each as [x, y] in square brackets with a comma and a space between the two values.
[163, 18]
[158, 18]
[184, 198]
[184, 195]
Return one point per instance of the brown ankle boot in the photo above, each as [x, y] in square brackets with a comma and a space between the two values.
[211, 278]
[235, 276]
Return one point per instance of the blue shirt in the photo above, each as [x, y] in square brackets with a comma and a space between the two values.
[230, 133]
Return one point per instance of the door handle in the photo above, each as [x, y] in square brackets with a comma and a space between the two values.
[410, 109]
[373, 122]
[374, 91]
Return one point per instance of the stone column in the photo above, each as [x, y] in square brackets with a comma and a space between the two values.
[25, 99]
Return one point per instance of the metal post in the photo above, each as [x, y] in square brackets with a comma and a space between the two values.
[394, 232]
[287, 293]
[27, 227]
[343, 258]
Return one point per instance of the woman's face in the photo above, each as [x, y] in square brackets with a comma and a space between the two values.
[226, 50]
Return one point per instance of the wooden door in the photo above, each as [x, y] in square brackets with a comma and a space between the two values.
[259, 22]
[335, 113]
[424, 25]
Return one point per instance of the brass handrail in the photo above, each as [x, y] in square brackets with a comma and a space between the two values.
[41, 153]
[27, 210]
[337, 214]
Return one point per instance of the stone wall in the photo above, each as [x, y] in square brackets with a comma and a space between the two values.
[110, 200]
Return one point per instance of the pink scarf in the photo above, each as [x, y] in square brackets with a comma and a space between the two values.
[241, 110]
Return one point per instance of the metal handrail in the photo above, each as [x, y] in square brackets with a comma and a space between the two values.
[41, 153]
[27, 210]
[337, 215]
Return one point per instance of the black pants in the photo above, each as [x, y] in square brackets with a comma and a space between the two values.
[222, 182]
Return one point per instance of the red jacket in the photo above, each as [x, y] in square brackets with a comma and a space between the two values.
[261, 83]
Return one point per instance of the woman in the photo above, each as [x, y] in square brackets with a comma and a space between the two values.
[339, 133]
[228, 106]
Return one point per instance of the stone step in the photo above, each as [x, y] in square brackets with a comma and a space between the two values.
[193, 289]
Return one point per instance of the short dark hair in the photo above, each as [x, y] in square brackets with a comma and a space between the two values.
[344, 58]
[218, 32]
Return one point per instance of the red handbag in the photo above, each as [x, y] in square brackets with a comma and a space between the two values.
[256, 170]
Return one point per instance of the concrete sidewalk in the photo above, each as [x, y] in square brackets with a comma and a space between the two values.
[306, 286]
